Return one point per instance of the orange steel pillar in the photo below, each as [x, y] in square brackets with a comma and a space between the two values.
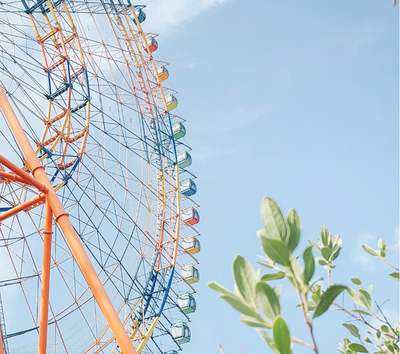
[72, 238]
[1, 342]
[44, 302]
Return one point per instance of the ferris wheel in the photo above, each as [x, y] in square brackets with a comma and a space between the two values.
[97, 219]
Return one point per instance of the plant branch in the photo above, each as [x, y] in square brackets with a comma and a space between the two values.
[387, 322]
[305, 312]
[390, 264]
[358, 318]
[220, 348]
[329, 274]
[299, 341]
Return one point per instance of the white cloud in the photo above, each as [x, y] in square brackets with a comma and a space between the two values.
[163, 15]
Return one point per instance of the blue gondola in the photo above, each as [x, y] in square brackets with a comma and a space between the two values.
[140, 14]
[184, 159]
[188, 187]
[180, 332]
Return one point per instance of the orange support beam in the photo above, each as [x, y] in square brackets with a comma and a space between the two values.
[72, 238]
[44, 302]
[21, 207]
[178, 216]
[13, 177]
[21, 173]
[1, 343]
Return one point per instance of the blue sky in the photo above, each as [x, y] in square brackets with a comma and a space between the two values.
[297, 100]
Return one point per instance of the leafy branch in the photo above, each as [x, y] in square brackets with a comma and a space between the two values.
[259, 302]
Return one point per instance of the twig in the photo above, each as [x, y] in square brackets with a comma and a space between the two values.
[294, 339]
[220, 348]
[329, 274]
[387, 322]
[390, 264]
[299, 341]
[358, 318]
[361, 319]
[305, 310]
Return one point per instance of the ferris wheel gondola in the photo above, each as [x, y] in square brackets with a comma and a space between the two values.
[95, 185]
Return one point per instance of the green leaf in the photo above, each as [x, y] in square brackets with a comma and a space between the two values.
[274, 276]
[353, 329]
[311, 305]
[327, 298]
[385, 328]
[239, 305]
[390, 346]
[370, 251]
[246, 279]
[273, 221]
[322, 262]
[361, 312]
[265, 265]
[336, 253]
[276, 250]
[278, 290]
[373, 335]
[267, 339]
[267, 300]
[215, 286]
[315, 245]
[366, 339]
[384, 302]
[316, 297]
[354, 296]
[326, 237]
[358, 348]
[297, 271]
[337, 240]
[309, 264]
[255, 322]
[261, 233]
[382, 248]
[394, 275]
[237, 292]
[258, 274]
[294, 224]
[365, 298]
[326, 253]
[281, 335]
[356, 281]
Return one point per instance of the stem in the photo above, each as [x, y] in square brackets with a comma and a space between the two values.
[387, 322]
[358, 318]
[329, 274]
[220, 348]
[278, 268]
[305, 312]
[299, 341]
[294, 339]
[390, 264]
